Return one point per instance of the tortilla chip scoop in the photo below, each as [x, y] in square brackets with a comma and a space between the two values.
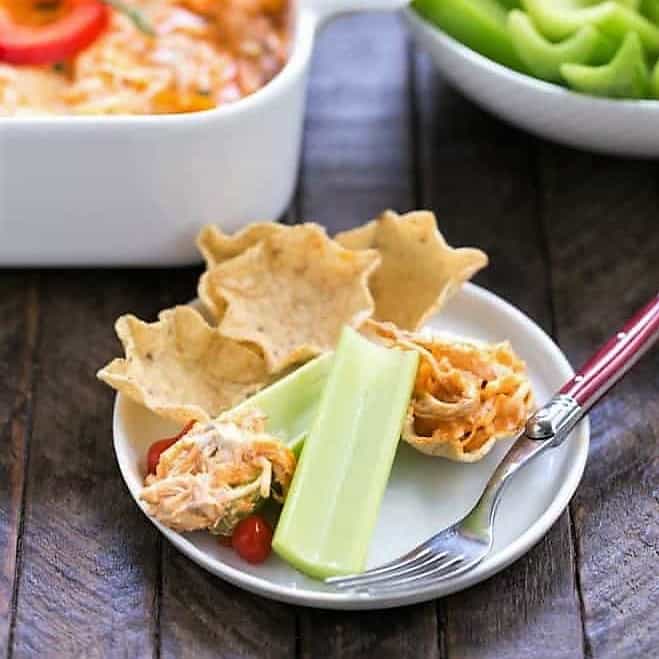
[291, 293]
[419, 270]
[467, 394]
[182, 368]
[216, 246]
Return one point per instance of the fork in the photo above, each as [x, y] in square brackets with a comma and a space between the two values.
[466, 543]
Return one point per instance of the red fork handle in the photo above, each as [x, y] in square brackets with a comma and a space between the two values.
[615, 357]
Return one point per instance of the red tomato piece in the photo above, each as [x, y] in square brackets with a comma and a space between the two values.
[158, 448]
[55, 41]
[252, 539]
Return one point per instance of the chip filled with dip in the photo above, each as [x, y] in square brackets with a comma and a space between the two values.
[467, 393]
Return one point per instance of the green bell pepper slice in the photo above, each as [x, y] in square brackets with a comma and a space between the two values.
[655, 81]
[650, 9]
[544, 58]
[479, 24]
[626, 76]
[558, 19]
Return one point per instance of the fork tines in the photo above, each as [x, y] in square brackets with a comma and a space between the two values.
[406, 572]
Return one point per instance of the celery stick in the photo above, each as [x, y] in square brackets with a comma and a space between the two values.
[332, 506]
[291, 403]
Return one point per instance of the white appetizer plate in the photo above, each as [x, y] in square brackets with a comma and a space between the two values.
[423, 495]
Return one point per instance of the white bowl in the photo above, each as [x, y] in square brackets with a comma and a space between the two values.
[133, 190]
[628, 128]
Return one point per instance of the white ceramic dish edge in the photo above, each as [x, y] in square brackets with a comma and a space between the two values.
[348, 601]
[617, 127]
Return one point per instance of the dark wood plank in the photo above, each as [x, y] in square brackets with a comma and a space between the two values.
[199, 615]
[88, 580]
[478, 175]
[357, 162]
[602, 219]
[19, 311]
[356, 159]
[203, 616]
[404, 633]
[92, 565]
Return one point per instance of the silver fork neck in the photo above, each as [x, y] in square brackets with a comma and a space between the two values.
[548, 427]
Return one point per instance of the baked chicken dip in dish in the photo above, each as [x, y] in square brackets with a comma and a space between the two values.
[136, 56]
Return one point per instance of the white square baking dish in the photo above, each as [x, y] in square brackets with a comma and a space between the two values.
[134, 190]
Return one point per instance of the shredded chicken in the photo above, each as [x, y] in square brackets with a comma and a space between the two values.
[466, 394]
[218, 473]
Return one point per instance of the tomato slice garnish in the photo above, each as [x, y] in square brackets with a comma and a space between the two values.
[158, 448]
[252, 539]
[66, 35]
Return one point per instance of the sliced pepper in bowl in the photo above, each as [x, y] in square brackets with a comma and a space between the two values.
[544, 58]
[479, 24]
[626, 76]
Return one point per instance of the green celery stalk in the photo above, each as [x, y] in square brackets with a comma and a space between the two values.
[544, 58]
[479, 24]
[331, 509]
[291, 403]
[626, 76]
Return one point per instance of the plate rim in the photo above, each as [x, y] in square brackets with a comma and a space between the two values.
[358, 601]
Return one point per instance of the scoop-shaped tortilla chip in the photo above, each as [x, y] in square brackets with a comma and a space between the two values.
[216, 246]
[467, 394]
[291, 293]
[419, 271]
[181, 368]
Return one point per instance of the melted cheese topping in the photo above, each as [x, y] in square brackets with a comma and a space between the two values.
[205, 53]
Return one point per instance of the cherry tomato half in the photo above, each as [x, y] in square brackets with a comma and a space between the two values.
[252, 539]
[158, 448]
[67, 34]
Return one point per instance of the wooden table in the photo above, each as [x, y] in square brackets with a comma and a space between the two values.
[574, 242]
